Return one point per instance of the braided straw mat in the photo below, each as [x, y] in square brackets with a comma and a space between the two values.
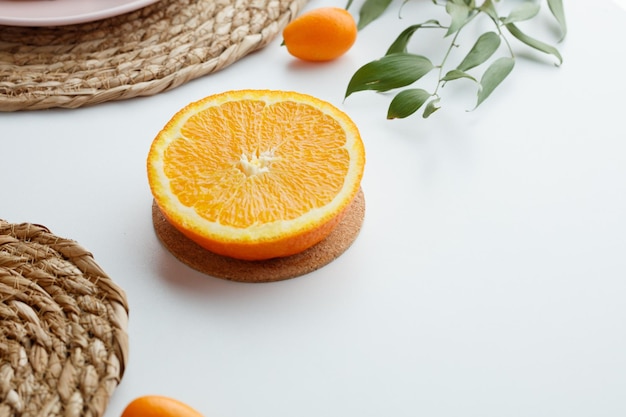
[140, 53]
[63, 340]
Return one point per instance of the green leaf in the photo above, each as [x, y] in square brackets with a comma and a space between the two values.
[525, 11]
[461, 2]
[407, 102]
[482, 50]
[488, 8]
[370, 11]
[556, 7]
[456, 74]
[431, 107]
[401, 42]
[493, 76]
[459, 13]
[533, 43]
[398, 68]
[391, 71]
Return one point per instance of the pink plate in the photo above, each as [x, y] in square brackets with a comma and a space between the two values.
[63, 12]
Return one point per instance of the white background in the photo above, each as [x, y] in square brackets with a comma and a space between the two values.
[488, 279]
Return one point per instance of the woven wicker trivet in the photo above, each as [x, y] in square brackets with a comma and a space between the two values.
[141, 53]
[278, 269]
[63, 340]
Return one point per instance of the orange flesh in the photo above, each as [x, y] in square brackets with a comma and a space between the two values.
[248, 177]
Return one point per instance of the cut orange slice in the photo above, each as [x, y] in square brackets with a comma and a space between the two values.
[256, 174]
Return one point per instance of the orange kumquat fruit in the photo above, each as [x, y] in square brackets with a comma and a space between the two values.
[158, 406]
[256, 174]
[321, 34]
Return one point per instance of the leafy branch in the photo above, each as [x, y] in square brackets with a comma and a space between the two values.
[399, 68]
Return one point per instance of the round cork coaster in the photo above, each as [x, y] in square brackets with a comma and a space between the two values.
[140, 53]
[63, 338]
[277, 269]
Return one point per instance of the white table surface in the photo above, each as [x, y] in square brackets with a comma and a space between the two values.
[488, 280]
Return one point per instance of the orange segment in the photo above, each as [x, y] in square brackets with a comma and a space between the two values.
[256, 174]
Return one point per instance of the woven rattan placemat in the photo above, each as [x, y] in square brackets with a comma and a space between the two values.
[63, 326]
[141, 53]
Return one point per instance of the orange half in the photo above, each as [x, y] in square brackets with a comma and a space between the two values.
[256, 174]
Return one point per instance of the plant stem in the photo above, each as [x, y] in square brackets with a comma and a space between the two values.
[452, 45]
[504, 38]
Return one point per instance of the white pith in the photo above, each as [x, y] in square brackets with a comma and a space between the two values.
[256, 164]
